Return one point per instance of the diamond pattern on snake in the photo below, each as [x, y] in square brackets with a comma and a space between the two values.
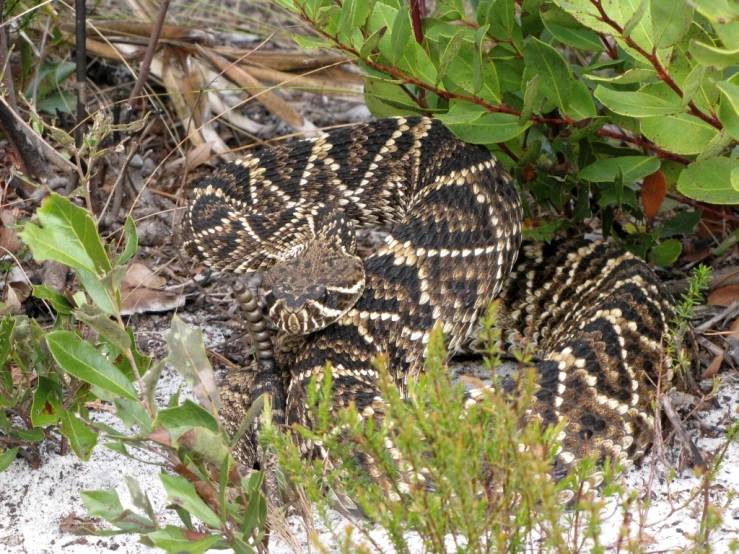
[597, 315]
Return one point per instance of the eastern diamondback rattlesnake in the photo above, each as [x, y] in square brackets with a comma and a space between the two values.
[597, 314]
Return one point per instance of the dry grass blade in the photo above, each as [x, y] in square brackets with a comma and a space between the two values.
[245, 80]
[281, 61]
[322, 84]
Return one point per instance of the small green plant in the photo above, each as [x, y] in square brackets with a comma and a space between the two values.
[581, 99]
[485, 485]
[47, 378]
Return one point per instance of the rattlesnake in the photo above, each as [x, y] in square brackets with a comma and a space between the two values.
[597, 314]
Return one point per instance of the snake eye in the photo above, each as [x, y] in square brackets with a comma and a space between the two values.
[317, 292]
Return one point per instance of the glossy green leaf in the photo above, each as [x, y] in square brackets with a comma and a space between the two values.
[68, 235]
[188, 414]
[7, 457]
[682, 224]
[182, 493]
[402, 33]
[57, 301]
[681, 133]
[710, 181]
[717, 10]
[81, 438]
[529, 100]
[81, 360]
[666, 253]
[47, 402]
[634, 104]
[173, 539]
[637, 75]
[133, 413]
[487, 128]
[714, 56]
[554, 71]
[370, 45]
[636, 17]
[671, 20]
[581, 104]
[131, 238]
[100, 322]
[450, 52]
[353, 14]
[632, 169]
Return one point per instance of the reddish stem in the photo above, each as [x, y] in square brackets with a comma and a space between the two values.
[652, 58]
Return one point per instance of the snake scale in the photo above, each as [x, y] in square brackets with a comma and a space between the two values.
[597, 315]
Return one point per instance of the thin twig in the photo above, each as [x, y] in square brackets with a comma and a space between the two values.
[146, 62]
[81, 72]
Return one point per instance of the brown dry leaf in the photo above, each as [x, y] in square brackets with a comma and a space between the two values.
[253, 86]
[11, 300]
[9, 237]
[653, 193]
[713, 367]
[141, 300]
[734, 329]
[696, 255]
[138, 275]
[200, 154]
[724, 296]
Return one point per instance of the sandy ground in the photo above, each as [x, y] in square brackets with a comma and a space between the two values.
[33, 504]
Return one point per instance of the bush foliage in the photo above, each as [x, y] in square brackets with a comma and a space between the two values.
[580, 98]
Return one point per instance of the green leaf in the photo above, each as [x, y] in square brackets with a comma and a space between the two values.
[632, 168]
[635, 18]
[735, 178]
[138, 497]
[717, 10]
[682, 224]
[174, 539]
[370, 45]
[681, 133]
[554, 71]
[30, 435]
[7, 457]
[401, 34]
[7, 327]
[666, 253]
[188, 414]
[637, 75]
[529, 100]
[182, 493]
[581, 102]
[692, 84]
[713, 56]
[100, 322]
[58, 301]
[82, 439]
[61, 101]
[133, 413]
[716, 146]
[68, 235]
[187, 355]
[728, 112]
[132, 242]
[450, 52]
[486, 128]
[107, 505]
[710, 181]
[634, 104]
[81, 360]
[388, 99]
[353, 14]
[671, 20]
[47, 402]
[311, 42]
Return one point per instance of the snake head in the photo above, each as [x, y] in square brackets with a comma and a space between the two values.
[313, 290]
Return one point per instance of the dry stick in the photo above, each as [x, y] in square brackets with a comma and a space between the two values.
[146, 62]
[81, 73]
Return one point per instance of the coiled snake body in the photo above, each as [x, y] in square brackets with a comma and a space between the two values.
[597, 314]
